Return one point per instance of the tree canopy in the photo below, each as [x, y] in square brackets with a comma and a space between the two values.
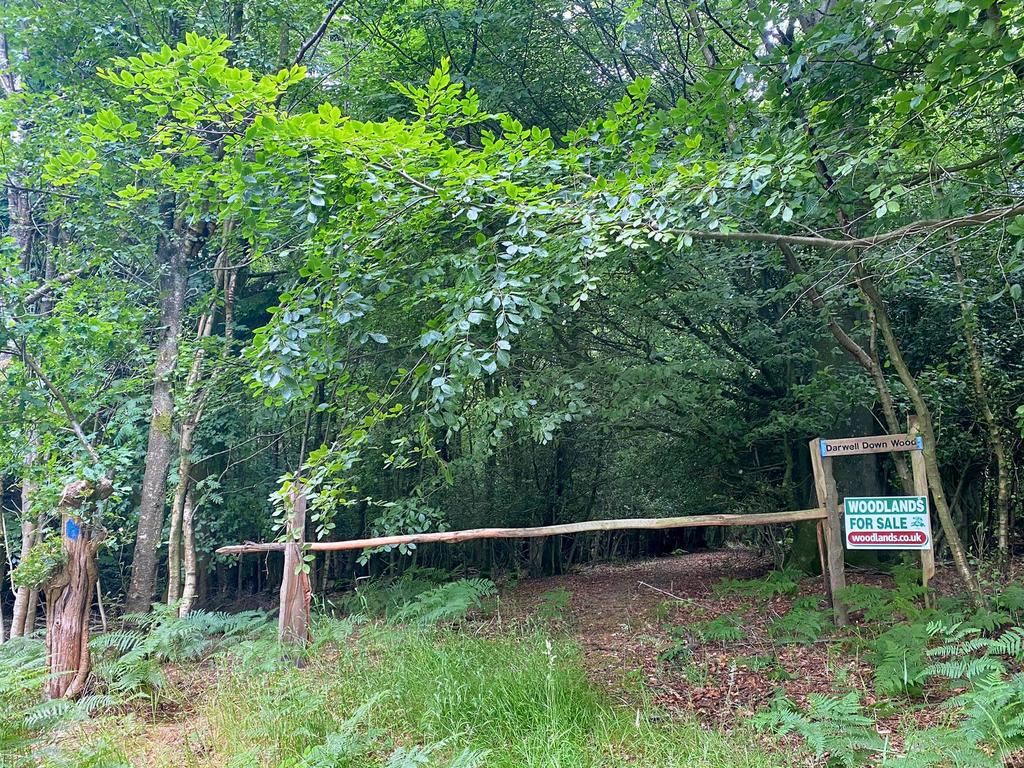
[450, 264]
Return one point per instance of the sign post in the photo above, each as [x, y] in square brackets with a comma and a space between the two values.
[830, 531]
[883, 522]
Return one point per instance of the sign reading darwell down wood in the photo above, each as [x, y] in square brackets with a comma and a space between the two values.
[850, 446]
[887, 522]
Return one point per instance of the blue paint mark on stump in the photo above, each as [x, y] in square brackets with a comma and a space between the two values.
[71, 529]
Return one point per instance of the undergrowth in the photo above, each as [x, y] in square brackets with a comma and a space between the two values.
[24, 716]
[973, 654]
[128, 662]
[782, 582]
[454, 699]
[415, 688]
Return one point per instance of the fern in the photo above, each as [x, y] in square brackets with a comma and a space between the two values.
[989, 620]
[347, 747]
[447, 602]
[554, 605]
[781, 582]
[804, 623]
[992, 700]
[941, 748]
[680, 651]
[994, 709]
[899, 659]
[24, 715]
[1010, 643]
[965, 654]
[873, 602]
[1010, 600]
[128, 660]
[833, 727]
[722, 629]
[904, 598]
[381, 597]
[414, 757]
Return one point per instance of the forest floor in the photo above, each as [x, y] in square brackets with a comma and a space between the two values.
[631, 619]
[675, 694]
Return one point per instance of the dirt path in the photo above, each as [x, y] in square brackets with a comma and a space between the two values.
[631, 621]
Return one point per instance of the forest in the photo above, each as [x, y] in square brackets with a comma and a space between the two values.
[284, 275]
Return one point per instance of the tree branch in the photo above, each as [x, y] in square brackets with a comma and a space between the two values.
[315, 38]
[920, 227]
[46, 289]
[59, 396]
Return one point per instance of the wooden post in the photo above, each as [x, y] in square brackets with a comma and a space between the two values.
[828, 499]
[819, 530]
[293, 623]
[921, 489]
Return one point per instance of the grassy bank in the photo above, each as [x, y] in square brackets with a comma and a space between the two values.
[381, 695]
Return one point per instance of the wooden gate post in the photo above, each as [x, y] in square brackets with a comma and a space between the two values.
[293, 622]
[921, 489]
[828, 499]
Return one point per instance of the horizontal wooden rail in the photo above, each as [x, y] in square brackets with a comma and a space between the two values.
[642, 523]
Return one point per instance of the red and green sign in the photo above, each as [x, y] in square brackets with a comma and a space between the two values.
[887, 522]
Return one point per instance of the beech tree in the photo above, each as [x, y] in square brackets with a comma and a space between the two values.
[570, 246]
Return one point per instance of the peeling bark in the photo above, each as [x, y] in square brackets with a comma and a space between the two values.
[70, 593]
[293, 621]
[188, 591]
[183, 505]
[69, 602]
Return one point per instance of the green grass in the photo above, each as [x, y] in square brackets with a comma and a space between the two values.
[514, 702]
[383, 696]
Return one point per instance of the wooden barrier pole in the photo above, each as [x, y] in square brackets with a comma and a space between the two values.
[449, 537]
[828, 499]
[293, 621]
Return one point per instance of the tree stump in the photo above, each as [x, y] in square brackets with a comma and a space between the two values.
[69, 594]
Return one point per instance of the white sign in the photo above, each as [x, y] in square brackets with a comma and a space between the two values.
[851, 446]
[887, 522]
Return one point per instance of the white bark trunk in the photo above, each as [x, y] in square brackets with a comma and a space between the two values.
[188, 592]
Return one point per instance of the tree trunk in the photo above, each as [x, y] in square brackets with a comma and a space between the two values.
[69, 594]
[868, 360]
[995, 434]
[182, 499]
[3, 564]
[22, 596]
[21, 232]
[924, 418]
[293, 621]
[174, 544]
[202, 580]
[188, 592]
[69, 602]
[892, 422]
[33, 609]
[173, 257]
[224, 277]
